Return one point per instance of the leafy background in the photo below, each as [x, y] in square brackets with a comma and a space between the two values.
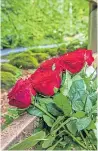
[38, 22]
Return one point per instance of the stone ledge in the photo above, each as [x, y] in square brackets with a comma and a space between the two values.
[17, 130]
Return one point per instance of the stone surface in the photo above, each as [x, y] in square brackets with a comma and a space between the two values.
[19, 129]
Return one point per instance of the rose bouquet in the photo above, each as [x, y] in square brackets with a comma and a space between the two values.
[64, 97]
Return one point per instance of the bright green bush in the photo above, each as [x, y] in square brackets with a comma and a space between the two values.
[75, 44]
[24, 60]
[40, 56]
[7, 79]
[10, 68]
[49, 51]
[38, 50]
[52, 52]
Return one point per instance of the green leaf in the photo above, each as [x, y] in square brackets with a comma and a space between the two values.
[46, 100]
[71, 125]
[88, 105]
[94, 109]
[35, 111]
[53, 147]
[53, 109]
[48, 142]
[29, 142]
[91, 125]
[13, 112]
[43, 105]
[83, 123]
[8, 118]
[48, 120]
[76, 77]
[77, 105]
[63, 103]
[63, 79]
[93, 97]
[66, 84]
[79, 114]
[77, 90]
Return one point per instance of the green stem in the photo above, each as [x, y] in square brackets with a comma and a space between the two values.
[83, 139]
[75, 139]
[60, 133]
[62, 125]
[53, 147]
[89, 140]
[42, 109]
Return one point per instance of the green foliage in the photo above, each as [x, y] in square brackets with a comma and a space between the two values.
[88, 105]
[29, 142]
[48, 120]
[79, 114]
[40, 22]
[24, 61]
[35, 111]
[10, 68]
[71, 125]
[53, 109]
[83, 123]
[12, 114]
[7, 79]
[40, 56]
[63, 103]
[48, 142]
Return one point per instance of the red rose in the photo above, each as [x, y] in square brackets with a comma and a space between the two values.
[44, 81]
[74, 61]
[20, 95]
[51, 64]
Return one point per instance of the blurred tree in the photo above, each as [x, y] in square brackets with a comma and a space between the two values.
[35, 22]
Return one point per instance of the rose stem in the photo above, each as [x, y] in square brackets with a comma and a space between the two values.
[39, 107]
[55, 144]
[89, 140]
[83, 139]
[74, 138]
[42, 109]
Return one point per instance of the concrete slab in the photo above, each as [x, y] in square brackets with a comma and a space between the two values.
[17, 130]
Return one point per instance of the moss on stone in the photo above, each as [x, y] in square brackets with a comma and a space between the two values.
[40, 56]
[49, 51]
[7, 79]
[10, 68]
[24, 60]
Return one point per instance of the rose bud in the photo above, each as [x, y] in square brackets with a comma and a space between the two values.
[74, 61]
[20, 94]
[46, 81]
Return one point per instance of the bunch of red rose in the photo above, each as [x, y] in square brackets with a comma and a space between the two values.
[48, 77]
